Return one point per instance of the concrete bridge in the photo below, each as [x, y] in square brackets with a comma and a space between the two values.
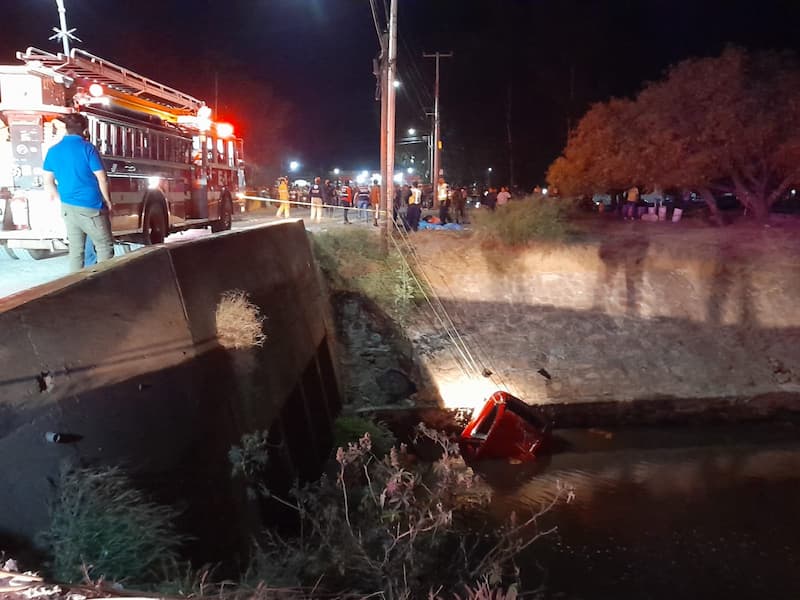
[124, 362]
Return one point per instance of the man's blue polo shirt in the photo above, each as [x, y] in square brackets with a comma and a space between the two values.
[73, 161]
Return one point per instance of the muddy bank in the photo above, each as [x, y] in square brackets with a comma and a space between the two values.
[639, 322]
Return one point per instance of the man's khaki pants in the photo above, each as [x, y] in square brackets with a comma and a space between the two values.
[82, 222]
[316, 210]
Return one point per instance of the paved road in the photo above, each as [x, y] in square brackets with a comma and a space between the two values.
[20, 273]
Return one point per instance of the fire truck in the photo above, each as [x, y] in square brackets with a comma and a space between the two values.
[170, 166]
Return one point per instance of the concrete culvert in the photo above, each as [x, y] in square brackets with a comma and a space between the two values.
[239, 321]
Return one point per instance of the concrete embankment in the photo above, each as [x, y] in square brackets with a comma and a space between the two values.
[124, 359]
[703, 323]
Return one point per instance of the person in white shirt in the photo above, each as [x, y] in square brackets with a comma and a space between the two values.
[503, 197]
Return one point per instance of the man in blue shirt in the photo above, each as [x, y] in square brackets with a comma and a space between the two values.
[74, 173]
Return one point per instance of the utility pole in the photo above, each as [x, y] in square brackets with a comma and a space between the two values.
[508, 136]
[388, 94]
[391, 97]
[437, 139]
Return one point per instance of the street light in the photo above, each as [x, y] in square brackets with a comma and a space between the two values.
[410, 170]
[490, 169]
[294, 165]
[336, 171]
[412, 131]
[396, 83]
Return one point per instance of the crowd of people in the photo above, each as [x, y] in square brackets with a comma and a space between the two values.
[447, 204]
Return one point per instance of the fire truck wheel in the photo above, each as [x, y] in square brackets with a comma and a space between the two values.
[154, 229]
[225, 218]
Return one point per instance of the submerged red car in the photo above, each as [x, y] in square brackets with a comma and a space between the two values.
[506, 427]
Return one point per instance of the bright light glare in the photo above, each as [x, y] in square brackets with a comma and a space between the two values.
[362, 177]
[398, 178]
[204, 112]
[466, 392]
[96, 90]
[301, 183]
[336, 171]
[294, 165]
[224, 130]
[490, 169]
[544, 191]
[377, 177]
[153, 183]
[396, 83]
[412, 131]
[410, 170]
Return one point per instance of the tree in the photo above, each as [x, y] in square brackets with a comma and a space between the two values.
[725, 124]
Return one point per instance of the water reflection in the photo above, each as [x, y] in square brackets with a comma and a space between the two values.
[664, 513]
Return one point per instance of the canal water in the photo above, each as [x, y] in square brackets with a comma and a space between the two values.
[711, 512]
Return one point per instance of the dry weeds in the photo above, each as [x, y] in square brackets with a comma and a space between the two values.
[239, 322]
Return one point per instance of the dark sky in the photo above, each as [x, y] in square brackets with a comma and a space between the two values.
[552, 58]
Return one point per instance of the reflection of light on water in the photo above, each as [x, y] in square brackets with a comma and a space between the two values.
[465, 392]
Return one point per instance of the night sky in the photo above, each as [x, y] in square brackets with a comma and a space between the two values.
[295, 76]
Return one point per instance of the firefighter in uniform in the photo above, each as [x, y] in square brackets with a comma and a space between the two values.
[283, 196]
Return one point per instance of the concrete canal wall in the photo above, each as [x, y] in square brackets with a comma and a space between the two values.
[125, 360]
[691, 323]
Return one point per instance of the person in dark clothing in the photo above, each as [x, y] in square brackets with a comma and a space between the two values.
[490, 200]
[398, 193]
[460, 205]
[328, 196]
[415, 207]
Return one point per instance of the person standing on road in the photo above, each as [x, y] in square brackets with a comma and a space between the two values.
[631, 200]
[444, 207]
[375, 199]
[459, 202]
[503, 197]
[414, 206]
[402, 211]
[346, 198]
[74, 174]
[362, 201]
[490, 200]
[442, 190]
[283, 195]
[316, 195]
[328, 196]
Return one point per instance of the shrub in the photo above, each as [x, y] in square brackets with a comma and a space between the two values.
[395, 526]
[100, 521]
[250, 459]
[524, 221]
[350, 428]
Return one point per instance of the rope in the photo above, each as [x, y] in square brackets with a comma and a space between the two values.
[478, 365]
[467, 359]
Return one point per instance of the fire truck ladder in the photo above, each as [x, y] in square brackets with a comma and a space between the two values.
[82, 65]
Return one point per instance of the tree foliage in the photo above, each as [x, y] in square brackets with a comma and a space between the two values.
[724, 124]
